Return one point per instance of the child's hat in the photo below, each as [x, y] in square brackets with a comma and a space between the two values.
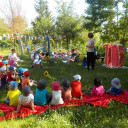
[77, 77]
[26, 90]
[66, 83]
[56, 86]
[13, 84]
[11, 68]
[116, 82]
[26, 73]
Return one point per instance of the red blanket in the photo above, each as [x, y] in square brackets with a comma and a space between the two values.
[24, 111]
[93, 100]
[123, 97]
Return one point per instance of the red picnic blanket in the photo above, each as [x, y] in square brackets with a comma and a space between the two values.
[123, 97]
[93, 100]
[24, 111]
[87, 99]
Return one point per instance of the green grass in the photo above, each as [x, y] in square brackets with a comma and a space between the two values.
[87, 116]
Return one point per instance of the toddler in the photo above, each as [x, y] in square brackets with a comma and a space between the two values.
[76, 87]
[11, 74]
[116, 89]
[66, 90]
[56, 94]
[98, 89]
[26, 80]
[26, 99]
[41, 93]
[13, 94]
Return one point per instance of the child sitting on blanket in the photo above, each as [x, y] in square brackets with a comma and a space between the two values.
[66, 90]
[41, 94]
[116, 89]
[76, 87]
[11, 74]
[13, 94]
[26, 80]
[98, 89]
[56, 94]
[27, 99]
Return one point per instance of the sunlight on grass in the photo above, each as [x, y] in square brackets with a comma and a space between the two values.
[87, 116]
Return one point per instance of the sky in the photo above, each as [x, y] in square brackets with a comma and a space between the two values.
[29, 12]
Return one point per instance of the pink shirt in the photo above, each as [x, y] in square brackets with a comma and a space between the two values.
[98, 91]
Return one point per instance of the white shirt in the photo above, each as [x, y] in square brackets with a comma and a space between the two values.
[89, 44]
[12, 56]
[25, 100]
[56, 98]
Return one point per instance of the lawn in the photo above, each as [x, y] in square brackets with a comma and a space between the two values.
[114, 116]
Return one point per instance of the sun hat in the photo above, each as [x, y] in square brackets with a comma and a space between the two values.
[26, 90]
[56, 86]
[116, 83]
[66, 84]
[11, 68]
[26, 73]
[13, 84]
[77, 77]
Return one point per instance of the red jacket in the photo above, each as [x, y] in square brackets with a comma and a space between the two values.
[76, 89]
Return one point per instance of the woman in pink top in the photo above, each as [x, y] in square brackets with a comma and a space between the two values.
[98, 89]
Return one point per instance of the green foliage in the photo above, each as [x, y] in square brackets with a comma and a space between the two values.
[68, 23]
[98, 12]
[3, 27]
[43, 24]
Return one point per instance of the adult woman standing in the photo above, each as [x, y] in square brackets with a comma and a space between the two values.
[90, 51]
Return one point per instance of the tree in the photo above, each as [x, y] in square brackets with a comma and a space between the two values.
[43, 24]
[67, 22]
[3, 27]
[12, 12]
[98, 12]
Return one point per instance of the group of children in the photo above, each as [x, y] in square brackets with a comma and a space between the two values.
[58, 94]
[69, 56]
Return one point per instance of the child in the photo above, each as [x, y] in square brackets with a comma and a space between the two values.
[56, 94]
[13, 94]
[37, 59]
[98, 89]
[116, 89]
[66, 90]
[26, 80]
[41, 93]
[11, 74]
[76, 87]
[3, 77]
[26, 99]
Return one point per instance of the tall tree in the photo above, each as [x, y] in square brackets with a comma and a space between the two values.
[43, 23]
[11, 9]
[67, 22]
[98, 12]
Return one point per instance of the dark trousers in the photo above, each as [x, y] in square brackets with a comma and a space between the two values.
[90, 59]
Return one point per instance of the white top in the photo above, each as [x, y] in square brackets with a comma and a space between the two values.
[12, 56]
[25, 100]
[56, 98]
[89, 44]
